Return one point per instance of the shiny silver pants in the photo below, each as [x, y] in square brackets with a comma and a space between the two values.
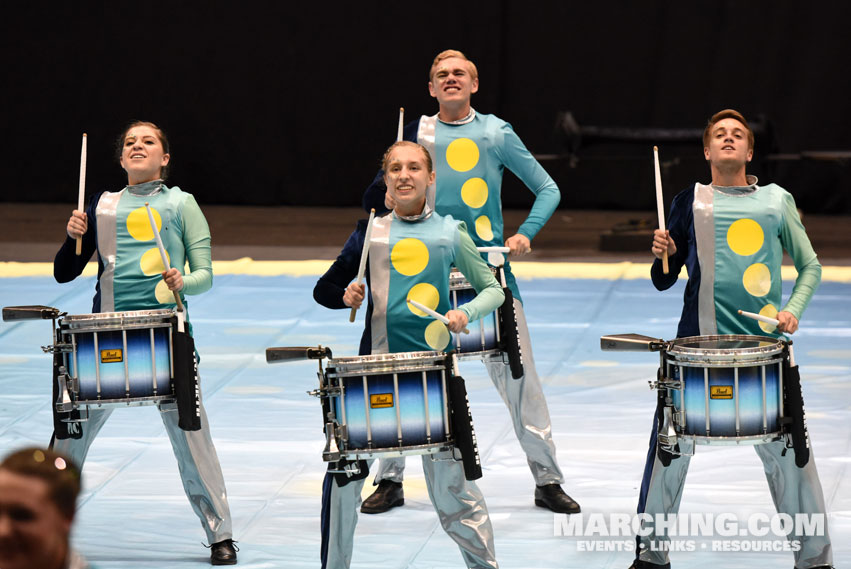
[794, 490]
[458, 502]
[525, 400]
[197, 461]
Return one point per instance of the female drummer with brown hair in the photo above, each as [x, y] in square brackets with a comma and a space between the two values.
[131, 277]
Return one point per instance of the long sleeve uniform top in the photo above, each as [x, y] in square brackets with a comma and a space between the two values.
[409, 258]
[731, 241]
[469, 159]
[129, 262]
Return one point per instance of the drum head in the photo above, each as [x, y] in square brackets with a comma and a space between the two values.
[724, 348]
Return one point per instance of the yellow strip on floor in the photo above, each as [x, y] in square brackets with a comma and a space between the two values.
[523, 271]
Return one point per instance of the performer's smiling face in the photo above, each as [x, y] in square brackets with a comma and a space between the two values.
[143, 157]
[728, 143]
[452, 82]
[407, 176]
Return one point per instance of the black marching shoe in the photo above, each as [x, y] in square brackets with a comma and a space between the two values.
[552, 497]
[388, 495]
[223, 552]
[639, 564]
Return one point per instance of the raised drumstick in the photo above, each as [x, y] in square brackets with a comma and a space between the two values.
[401, 124]
[363, 255]
[660, 205]
[433, 314]
[162, 253]
[82, 193]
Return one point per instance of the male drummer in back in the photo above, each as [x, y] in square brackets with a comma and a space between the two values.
[470, 151]
[730, 235]
[410, 253]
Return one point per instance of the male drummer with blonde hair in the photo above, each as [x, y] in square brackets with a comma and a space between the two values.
[730, 235]
[470, 152]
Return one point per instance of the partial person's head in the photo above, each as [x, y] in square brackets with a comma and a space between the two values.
[728, 138]
[408, 171]
[453, 78]
[38, 497]
[143, 152]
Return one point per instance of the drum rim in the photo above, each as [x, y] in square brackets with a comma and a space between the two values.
[677, 348]
[128, 315]
[116, 320]
[457, 280]
[387, 358]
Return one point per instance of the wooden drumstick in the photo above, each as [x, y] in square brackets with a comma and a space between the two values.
[433, 314]
[82, 192]
[660, 205]
[760, 317]
[162, 253]
[401, 124]
[363, 255]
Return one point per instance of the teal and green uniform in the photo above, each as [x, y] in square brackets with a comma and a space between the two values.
[410, 257]
[130, 278]
[731, 241]
[470, 156]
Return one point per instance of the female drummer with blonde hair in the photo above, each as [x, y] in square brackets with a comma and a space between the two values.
[131, 276]
[407, 247]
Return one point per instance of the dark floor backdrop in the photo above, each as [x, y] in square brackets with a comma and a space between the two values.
[290, 103]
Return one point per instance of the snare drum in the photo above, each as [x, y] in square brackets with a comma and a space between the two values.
[726, 389]
[116, 359]
[483, 341]
[389, 404]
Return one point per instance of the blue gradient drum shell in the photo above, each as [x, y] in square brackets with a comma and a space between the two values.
[98, 342]
[714, 361]
[381, 401]
[142, 370]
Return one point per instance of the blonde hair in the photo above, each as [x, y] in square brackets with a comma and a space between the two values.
[446, 54]
[385, 160]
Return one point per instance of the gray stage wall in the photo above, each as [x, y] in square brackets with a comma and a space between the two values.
[293, 103]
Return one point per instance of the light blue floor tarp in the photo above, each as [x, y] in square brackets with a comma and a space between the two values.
[267, 430]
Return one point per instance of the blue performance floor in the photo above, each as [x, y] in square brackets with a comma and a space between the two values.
[267, 430]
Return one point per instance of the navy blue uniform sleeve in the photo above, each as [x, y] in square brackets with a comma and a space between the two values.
[679, 220]
[374, 195]
[67, 265]
[330, 287]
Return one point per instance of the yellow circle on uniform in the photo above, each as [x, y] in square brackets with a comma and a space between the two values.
[151, 262]
[745, 237]
[426, 294]
[474, 192]
[757, 279]
[139, 226]
[483, 228]
[409, 256]
[462, 154]
[437, 336]
[162, 294]
[770, 311]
